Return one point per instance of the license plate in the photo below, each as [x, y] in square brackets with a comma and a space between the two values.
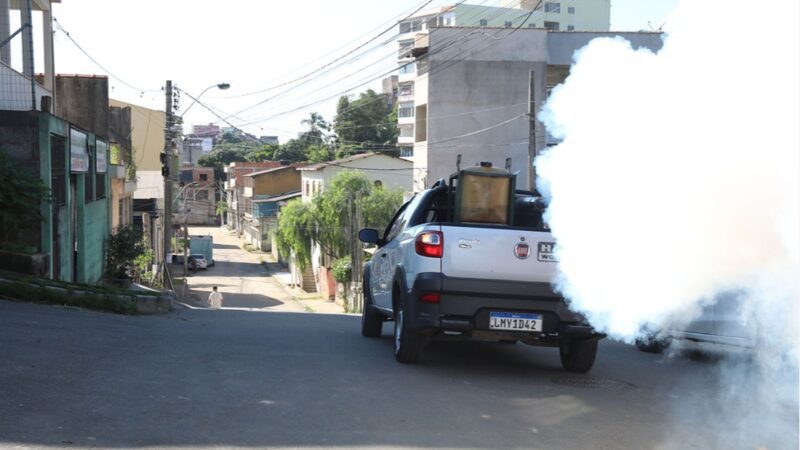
[515, 321]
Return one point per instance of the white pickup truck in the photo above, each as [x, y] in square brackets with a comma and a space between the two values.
[435, 276]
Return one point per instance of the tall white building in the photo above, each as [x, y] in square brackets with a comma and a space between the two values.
[564, 15]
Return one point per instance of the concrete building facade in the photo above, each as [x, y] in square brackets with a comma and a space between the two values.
[195, 202]
[475, 104]
[264, 194]
[575, 15]
[234, 189]
[147, 143]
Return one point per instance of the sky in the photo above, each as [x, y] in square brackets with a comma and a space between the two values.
[253, 46]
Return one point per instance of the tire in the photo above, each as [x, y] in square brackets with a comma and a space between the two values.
[652, 344]
[407, 344]
[578, 355]
[371, 319]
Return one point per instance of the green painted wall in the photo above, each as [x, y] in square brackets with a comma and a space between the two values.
[92, 219]
[93, 231]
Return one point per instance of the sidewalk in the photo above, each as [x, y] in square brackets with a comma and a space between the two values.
[312, 302]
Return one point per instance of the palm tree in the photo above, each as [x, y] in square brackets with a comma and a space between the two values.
[316, 125]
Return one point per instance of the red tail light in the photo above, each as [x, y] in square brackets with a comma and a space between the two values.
[431, 297]
[430, 244]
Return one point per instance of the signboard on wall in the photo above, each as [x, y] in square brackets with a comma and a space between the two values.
[100, 157]
[78, 151]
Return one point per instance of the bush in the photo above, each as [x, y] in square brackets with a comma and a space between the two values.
[343, 270]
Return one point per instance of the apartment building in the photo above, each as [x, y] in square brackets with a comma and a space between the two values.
[491, 123]
[572, 15]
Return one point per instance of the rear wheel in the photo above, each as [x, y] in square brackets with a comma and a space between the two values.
[371, 319]
[578, 355]
[407, 344]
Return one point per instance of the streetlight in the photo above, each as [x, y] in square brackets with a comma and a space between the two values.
[220, 86]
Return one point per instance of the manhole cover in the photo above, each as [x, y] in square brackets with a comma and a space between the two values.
[591, 383]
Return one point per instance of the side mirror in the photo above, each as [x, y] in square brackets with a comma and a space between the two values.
[369, 236]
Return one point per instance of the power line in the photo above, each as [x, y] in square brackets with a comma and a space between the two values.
[110, 74]
[393, 24]
[482, 130]
[372, 77]
[390, 28]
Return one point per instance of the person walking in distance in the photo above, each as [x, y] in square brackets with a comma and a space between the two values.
[215, 298]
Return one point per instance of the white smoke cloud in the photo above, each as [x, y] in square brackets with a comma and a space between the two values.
[678, 175]
[679, 178]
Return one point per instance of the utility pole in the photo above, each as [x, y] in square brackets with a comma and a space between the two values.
[532, 131]
[166, 170]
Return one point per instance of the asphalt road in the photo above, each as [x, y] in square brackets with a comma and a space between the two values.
[236, 378]
[239, 276]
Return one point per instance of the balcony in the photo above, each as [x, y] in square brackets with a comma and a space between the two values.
[405, 140]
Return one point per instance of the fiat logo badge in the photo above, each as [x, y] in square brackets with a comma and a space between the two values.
[522, 250]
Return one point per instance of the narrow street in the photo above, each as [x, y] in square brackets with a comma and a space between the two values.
[240, 277]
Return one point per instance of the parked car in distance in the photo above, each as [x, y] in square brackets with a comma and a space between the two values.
[200, 261]
[721, 323]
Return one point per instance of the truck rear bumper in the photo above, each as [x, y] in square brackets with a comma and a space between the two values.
[465, 306]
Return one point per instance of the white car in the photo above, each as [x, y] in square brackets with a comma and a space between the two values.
[200, 261]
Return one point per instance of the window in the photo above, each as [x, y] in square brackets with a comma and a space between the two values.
[408, 27]
[552, 7]
[407, 69]
[552, 26]
[203, 177]
[571, 10]
[307, 188]
[531, 25]
[405, 110]
[406, 89]
[507, 24]
[407, 152]
[570, 28]
[101, 167]
[202, 195]
[406, 131]
[397, 224]
[421, 125]
[484, 22]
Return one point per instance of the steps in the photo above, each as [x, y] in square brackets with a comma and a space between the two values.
[309, 282]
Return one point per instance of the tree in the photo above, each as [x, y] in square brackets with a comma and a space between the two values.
[331, 207]
[379, 207]
[221, 210]
[224, 154]
[22, 194]
[294, 231]
[265, 153]
[319, 153]
[326, 219]
[123, 249]
[366, 123]
[316, 125]
[293, 151]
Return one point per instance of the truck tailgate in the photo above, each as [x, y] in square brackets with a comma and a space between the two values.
[498, 254]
